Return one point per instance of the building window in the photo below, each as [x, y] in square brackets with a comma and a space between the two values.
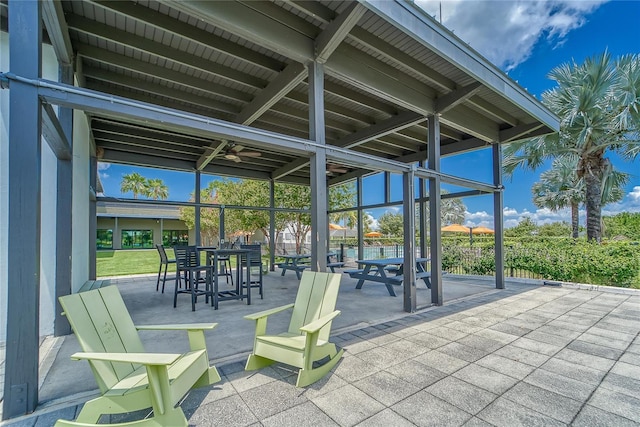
[137, 239]
[175, 237]
[104, 239]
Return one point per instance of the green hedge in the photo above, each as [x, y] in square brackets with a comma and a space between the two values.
[612, 264]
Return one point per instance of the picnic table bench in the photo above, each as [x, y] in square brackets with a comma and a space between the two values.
[375, 270]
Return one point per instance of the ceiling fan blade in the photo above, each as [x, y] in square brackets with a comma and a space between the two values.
[249, 154]
[336, 168]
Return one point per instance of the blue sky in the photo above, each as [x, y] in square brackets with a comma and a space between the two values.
[524, 38]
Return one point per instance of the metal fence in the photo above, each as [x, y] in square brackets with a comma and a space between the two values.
[455, 259]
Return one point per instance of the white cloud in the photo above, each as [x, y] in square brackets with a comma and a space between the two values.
[630, 203]
[372, 221]
[635, 194]
[102, 167]
[505, 32]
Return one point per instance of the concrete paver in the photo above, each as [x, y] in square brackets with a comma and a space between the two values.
[527, 355]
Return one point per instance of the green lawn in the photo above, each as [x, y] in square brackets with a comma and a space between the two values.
[132, 261]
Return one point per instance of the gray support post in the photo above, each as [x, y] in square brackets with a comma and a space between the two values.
[93, 216]
[197, 209]
[64, 213]
[161, 231]
[422, 210]
[319, 221]
[408, 210]
[221, 226]
[23, 257]
[360, 218]
[272, 225]
[116, 233]
[498, 226]
[387, 187]
[433, 161]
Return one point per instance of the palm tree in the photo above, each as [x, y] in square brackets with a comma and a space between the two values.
[598, 103]
[135, 183]
[156, 189]
[560, 187]
[452, 210]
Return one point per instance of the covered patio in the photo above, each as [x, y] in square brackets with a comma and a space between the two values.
[325, 91]
[525, 355]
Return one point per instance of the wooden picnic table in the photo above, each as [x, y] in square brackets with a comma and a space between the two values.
[377, 270]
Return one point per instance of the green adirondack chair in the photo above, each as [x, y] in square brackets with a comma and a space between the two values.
[129, 378]
[307, 340]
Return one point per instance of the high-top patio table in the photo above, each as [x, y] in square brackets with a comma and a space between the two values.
[376, 270]
[238, 292]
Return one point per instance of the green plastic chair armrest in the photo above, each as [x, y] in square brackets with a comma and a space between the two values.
[316, 325]
[180, 327]
[265, 313]
[138, 358]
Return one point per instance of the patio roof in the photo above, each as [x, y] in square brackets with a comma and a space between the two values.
[195, 86]
[387, 66]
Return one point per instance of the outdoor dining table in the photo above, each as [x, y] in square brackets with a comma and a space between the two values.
[243, 262]
[293, 262]
[377, 270]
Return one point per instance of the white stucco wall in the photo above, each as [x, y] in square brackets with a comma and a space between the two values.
[80, 250]
[80, 239]
[48, 179]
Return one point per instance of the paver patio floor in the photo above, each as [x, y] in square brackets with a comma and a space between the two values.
[526, 355]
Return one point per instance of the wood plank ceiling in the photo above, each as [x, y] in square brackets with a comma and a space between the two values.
[245, 62]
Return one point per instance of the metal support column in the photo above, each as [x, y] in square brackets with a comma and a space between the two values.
[387, 187]
[360, 218]
[319, 221]
[433, 162]
[409, 215]
[221, 227]
[64, 213]
[23, 256]
[93, 216]
[115, 234]
[498, 225]
[196, 218]
[422, 211]
[272, 225]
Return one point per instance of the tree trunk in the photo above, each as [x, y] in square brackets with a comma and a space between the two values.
[593, 202]
[574, 220]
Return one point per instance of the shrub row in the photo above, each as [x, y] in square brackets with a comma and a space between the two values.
[612, 264]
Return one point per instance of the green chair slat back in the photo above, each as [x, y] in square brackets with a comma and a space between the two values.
[103, 325]
[307, 338]
[317, 297]
[129, 378]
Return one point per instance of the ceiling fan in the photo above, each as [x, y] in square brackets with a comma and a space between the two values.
[333, 169]
[236, 152]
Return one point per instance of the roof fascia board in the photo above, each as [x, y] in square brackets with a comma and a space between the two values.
[414, 21]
